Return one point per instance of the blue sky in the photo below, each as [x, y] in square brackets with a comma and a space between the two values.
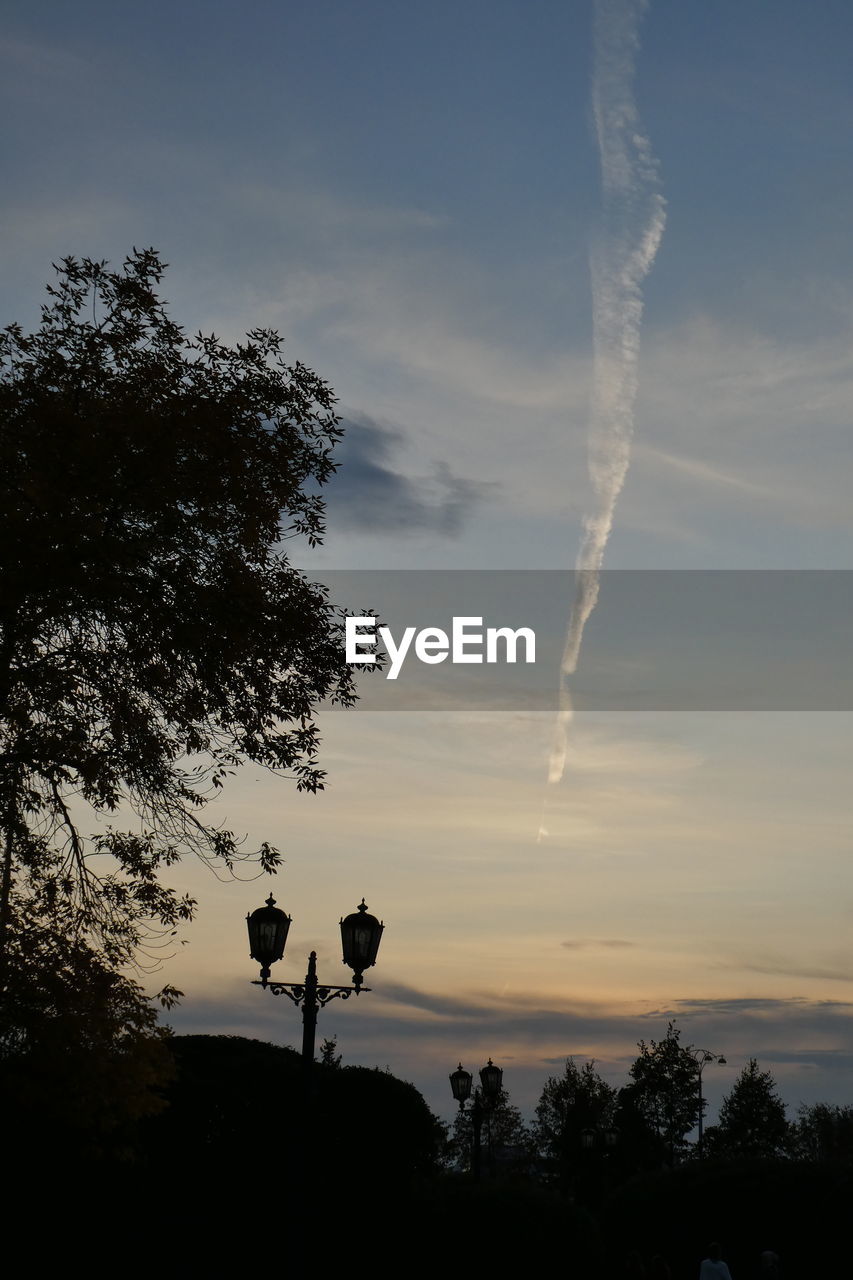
[411, 194]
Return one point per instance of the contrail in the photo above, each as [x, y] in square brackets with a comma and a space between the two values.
[632, 224]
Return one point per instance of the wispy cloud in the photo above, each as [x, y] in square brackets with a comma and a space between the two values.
[706, 474]
[585, 944]
[838, 972]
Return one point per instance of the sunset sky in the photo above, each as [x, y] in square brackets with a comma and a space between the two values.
[412, 195]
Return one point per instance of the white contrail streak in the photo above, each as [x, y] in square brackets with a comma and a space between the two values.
[633, 219]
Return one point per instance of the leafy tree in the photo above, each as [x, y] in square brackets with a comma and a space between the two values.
[578, 1099]
[752, 1118]
[665, 1079]
[82, 1059]
[240, 1106]
[640, 1148]
[502, 1126]
[823, 1133]
[328, 1055]
[153, 634]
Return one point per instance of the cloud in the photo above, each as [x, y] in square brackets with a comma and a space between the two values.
[421, 1035]
[827, 973]
[801, 1006]
[582, 944]
[705, 474]
[369, 495]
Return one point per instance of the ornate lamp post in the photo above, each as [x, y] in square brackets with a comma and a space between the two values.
[361, 934]
[702, 1057]
[485, 1097]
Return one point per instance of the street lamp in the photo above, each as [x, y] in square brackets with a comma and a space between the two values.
[485, 1097]
[702, 1057]
[361, 934]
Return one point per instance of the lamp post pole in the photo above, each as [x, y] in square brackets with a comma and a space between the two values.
[702, 1057]
[309, 1009]
[361, 934]
[477, 1119]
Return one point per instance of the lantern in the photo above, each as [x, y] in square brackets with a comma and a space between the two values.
[268, 928]
[460, 1083]
[491, 1078]
[360, 937]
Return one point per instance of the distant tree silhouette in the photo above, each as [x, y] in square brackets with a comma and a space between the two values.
[640, 1147]
[328, 1055]
[82, 1060]
[502, 1125]
[752, 1120]
[665, 1089]
[153, 635]
[578, 1099]
[823, 1133]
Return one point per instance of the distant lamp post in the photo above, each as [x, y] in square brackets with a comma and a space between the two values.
[483, 1102]
[702, 1057]
[361, 934]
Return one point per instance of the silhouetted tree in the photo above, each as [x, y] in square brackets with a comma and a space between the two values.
[640, 1148]
[243, 1105]
[502, 1125]
[82, 1059]
[823, 1133]
[328, 1055]
[578, 1099]
[153, 635]
[666, 1091]
[752, 1118]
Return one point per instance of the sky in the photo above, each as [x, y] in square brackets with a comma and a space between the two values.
[427, 202]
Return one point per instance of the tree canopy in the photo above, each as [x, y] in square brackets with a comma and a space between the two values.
[153, 634]
[503, 1130]
[82, 1059]
[665, 1088]
[241, 1105]
[752, 1118]
[578, 1099]
[823, 1132]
